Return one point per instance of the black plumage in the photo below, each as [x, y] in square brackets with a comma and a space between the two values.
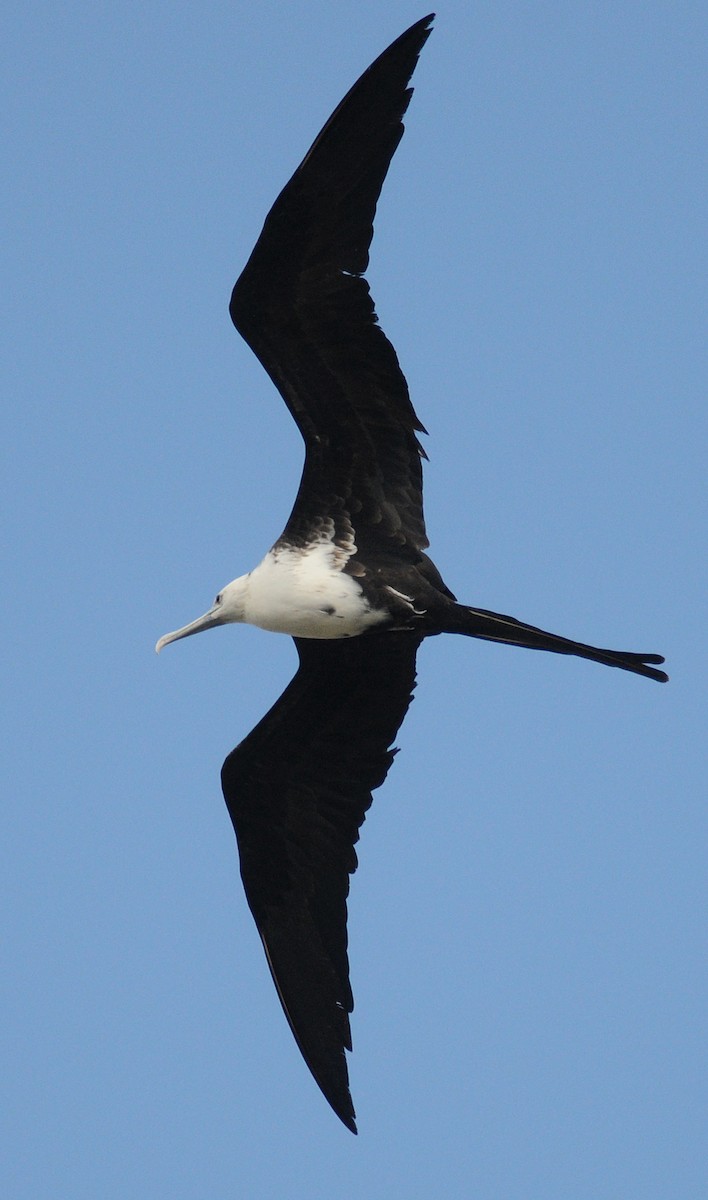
[306, 312]
[298, 787]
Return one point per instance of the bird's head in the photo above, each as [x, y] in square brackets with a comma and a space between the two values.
[228, 606]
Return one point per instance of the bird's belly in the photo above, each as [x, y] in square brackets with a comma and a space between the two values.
[305, 594]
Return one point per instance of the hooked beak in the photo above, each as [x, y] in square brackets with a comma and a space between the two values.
[213, 617]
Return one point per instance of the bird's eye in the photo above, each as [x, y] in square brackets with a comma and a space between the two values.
[219, 598]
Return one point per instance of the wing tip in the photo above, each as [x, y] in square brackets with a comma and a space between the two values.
[349, 1122]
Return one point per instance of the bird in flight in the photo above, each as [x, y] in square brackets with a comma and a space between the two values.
[349, 578]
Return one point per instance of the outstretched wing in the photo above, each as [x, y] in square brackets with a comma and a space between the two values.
[307, 314]
[297, 789]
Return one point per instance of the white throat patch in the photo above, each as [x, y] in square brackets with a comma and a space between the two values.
[307, 594]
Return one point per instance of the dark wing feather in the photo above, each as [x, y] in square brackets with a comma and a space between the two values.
[297, 789]
[307, 314]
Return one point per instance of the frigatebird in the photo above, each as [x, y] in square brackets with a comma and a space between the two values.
[348, 578]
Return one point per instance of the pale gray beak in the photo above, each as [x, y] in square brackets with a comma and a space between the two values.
[213, 617]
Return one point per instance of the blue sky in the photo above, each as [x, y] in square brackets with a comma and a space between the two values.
[528, 922]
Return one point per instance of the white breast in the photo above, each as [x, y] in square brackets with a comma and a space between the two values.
[307, 594]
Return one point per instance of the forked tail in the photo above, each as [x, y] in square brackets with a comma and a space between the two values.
[493, 627]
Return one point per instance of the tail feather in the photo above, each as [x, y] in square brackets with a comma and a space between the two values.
[494, 627]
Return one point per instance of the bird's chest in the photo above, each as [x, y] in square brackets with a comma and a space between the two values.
[307, 594]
